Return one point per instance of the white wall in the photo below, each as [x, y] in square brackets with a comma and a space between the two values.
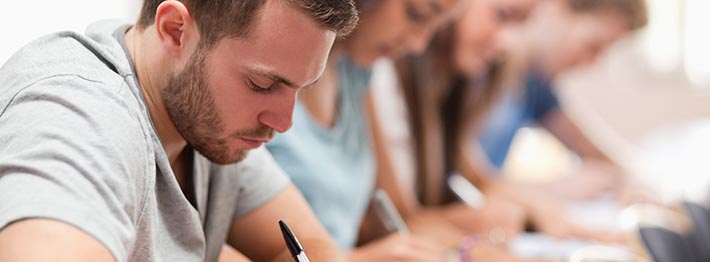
[22, 21]
[646, 103]
[677, 40]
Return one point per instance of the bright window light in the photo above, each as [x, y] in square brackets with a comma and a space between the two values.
[663, 36]
[697, 42]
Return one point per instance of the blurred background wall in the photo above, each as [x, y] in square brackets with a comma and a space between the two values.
[23, 21]
[646, 102]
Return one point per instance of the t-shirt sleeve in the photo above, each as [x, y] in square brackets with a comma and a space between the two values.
[64, 155]
[260, 180]
[540, 97]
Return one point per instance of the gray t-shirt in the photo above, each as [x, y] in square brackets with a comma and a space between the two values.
[77, 145]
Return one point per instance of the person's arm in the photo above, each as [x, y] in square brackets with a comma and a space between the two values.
[68, 185]
[49, 240]
[597, 163]
[474, 166]
[433, 223]
[386, 176]
[384, 104]
[434, 236]
[544, 212]
[422, 222]
[378, 246]
[564, 129]
[258, 236]
[229, 254]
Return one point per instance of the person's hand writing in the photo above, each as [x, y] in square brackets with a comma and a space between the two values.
[397, 247]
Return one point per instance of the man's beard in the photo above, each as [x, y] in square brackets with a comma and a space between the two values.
[190, 104]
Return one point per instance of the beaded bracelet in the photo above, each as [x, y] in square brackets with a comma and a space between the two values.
[466, 246]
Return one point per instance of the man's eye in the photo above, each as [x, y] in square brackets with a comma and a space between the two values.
[259, 89]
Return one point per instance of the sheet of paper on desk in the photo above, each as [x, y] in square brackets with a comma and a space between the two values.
[534, 245]
[538, 246]
[601, 213]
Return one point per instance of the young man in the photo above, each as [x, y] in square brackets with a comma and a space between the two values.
[121, 144]
[561, 36]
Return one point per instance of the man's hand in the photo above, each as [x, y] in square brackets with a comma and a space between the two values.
[48, 240]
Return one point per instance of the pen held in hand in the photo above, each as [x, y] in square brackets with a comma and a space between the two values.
[465, 191]
[388, 213]
[297, 252]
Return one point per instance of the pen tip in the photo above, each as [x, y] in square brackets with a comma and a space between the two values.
[291, 242]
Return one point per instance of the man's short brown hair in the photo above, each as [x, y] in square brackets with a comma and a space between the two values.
[217, 19]
[633, 11]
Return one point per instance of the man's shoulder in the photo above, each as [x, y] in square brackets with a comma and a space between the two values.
[61, 53]
[86, 72]
[68, 82]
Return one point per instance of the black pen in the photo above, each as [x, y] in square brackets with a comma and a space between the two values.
[292, 243]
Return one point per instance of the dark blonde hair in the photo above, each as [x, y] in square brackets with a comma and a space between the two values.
[217, 19]
[444, 108]
[633, 11]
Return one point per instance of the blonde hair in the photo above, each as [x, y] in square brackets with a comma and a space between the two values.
[633, 11]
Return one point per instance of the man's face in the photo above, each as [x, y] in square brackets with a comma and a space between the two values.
[235, 96]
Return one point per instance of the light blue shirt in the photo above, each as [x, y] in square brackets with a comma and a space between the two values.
[333, 167]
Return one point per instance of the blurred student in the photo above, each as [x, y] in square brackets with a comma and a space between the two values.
[561, 36]
[124, 143]
[328, 153]
[410, 137]
[448, 99]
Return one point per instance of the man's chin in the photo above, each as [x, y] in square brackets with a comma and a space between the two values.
[236, 157]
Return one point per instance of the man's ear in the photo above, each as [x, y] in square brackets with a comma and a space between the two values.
[175, 29]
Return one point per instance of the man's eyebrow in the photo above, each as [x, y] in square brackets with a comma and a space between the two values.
[273, 77]
[280, 79]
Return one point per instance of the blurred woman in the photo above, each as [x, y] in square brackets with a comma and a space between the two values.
[327, 153]
[465, 61]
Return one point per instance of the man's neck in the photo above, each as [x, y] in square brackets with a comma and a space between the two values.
[149, 67]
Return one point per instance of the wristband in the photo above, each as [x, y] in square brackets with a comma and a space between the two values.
[466, 246]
